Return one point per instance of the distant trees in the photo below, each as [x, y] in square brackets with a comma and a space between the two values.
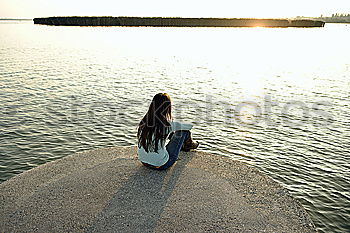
[336, 18]
[175, 22]
[340, 15]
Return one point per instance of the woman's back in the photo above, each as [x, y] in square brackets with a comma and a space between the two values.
[161, 156]
[154, 130]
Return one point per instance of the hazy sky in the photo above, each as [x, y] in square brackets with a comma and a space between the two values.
[184, 8]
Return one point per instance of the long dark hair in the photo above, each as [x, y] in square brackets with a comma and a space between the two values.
[154, 126]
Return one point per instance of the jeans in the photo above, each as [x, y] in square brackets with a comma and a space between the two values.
[174, 147]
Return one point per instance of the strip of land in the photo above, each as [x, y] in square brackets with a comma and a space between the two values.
[175, 22]
[333, 19]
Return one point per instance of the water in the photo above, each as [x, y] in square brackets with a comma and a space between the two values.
[277, 99]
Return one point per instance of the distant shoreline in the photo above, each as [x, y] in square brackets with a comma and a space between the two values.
[16, 19]
[175, 22]
[333, 19]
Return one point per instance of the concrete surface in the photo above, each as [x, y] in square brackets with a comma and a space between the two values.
[108, 190]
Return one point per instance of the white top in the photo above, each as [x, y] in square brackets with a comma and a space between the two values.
[160, 158]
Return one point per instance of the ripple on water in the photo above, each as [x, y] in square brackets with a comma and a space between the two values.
[58, 98]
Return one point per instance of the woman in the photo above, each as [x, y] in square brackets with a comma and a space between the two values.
[155, 128]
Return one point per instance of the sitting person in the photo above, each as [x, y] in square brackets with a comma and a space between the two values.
[155, 128]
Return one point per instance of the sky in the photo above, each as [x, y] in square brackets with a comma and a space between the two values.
[180, 8]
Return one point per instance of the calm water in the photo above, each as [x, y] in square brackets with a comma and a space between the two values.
[275, 98]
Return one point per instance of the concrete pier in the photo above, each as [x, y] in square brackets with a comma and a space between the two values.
[175, 22]
[109, 190]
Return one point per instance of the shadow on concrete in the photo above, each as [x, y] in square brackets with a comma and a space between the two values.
[138, 204]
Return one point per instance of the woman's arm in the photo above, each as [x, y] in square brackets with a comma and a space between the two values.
[175, 126]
